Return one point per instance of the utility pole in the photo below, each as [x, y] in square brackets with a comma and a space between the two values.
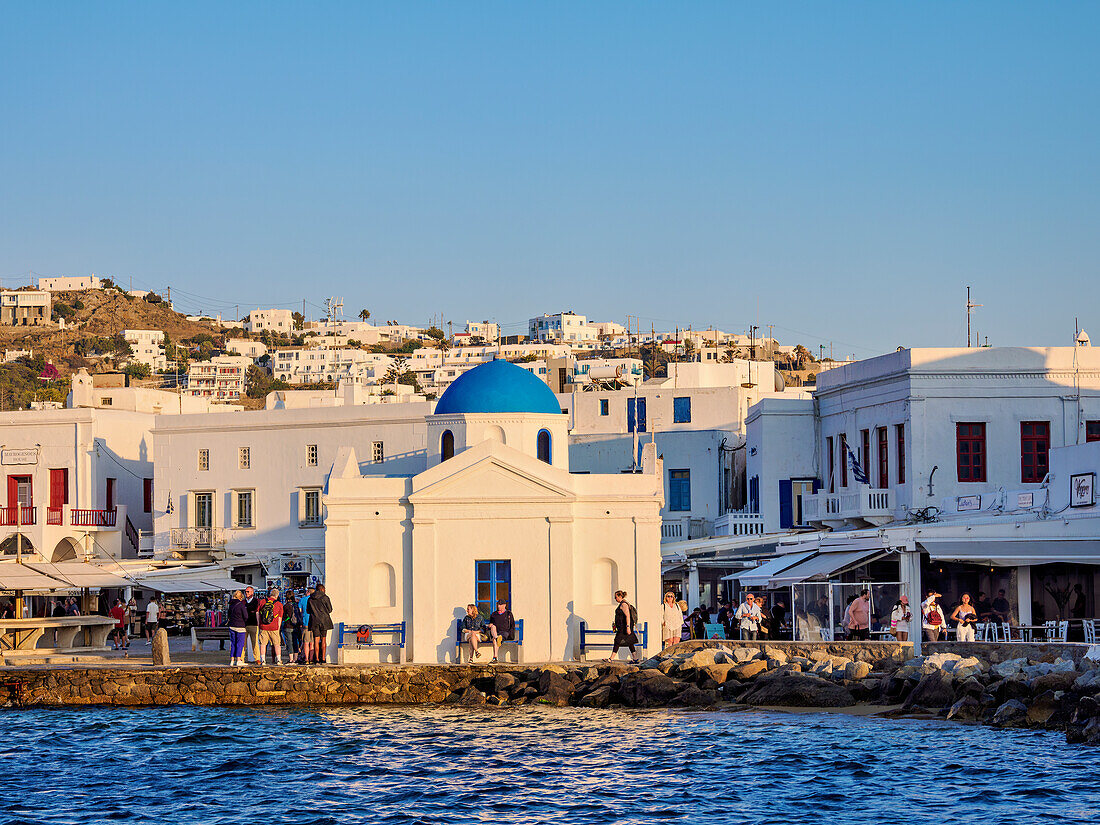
[969, 308]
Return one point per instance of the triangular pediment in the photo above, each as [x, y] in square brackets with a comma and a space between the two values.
[488, 477]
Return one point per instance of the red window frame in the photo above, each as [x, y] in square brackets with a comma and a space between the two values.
[970, 451]
[1034, 451]
[901, 452]
[843, 460]
[865, 457]
[1092, 431]
[832, 462]
[147, 488]
[883, 458]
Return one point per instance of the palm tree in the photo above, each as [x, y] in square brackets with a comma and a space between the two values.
[364, 314]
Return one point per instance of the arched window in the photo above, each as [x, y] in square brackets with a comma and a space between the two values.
[382, 585]
[447, 446]
[543, 447]
[605, 581]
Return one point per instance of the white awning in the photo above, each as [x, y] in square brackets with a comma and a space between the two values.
[79, 574]
[824, 565]
[16, 576]
[209, 584]
[760, 576]
[994, 553]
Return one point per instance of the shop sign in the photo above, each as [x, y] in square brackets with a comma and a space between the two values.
[1025, 501]
[28, 455]
[967, 504]
[293, 566]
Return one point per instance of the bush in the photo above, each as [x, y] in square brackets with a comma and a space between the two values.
[153, 298]
[136, 369]
[61, 310]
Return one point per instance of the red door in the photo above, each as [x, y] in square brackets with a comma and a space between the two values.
[13, 492]
[59, 488]
[111, 494]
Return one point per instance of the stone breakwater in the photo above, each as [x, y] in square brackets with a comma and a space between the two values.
[1047, 687]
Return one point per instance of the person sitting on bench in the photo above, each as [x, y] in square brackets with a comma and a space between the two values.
[502, 628]
[472, 628]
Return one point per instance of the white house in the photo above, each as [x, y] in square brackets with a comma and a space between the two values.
[68, 283]
[25, 307]
[314, 365]
[494, 513]
[487, 331]
[562, 327]
[223, 378]
[274, 320]
[148, 347]
[246, 347]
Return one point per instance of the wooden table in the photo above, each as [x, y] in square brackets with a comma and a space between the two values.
[25, 634]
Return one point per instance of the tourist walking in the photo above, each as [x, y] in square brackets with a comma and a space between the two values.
[287, 628]
[320, 622]
[859, 617]
[270, 616]
[307, 651]
[473, 626]
[748, 618]
[118, 613]
[900, 617]
[932, 617]
[502, 628]
[152, 618]
[672, 621]
[252, 626]
[626, 616]
[237, 620]
[965, 617]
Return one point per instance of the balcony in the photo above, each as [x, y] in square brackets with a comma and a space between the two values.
[60, 532]
[22, 514]
[853, 507]
[739, 523]
[682, 529]
[194, 538]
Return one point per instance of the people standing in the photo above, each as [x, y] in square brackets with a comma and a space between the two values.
[307, 651]
[623, 624]
[748, 618]
[472, 628]
[779, 618]
[252, 626]
[287, 629]
[672, 621]
[859, 617]
[270, 616]
[320, 622]
[237, 621]
[118, 613]
[502, 628]
[932, 617]
[152, 618]
[900, 617]
[965, 617]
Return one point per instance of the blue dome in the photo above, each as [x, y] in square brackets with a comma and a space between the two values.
[497, 387]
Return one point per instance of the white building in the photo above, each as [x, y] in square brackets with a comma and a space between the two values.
[148, 347]
[246, 347]
[222, 378]
[70, 283]
[487, 331]
[25, 307]
[87, 393]
[370, 334]
[562, 327]
[274, 320]
[494, 513]
[315, 365]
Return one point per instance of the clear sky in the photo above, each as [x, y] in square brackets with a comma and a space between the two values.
[839, 170]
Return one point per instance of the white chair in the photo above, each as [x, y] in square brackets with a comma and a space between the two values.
[1006, 632]
[1090, 631]
[1051, 629]
[1062, 631]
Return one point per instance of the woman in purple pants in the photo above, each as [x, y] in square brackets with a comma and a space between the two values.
[238, 618]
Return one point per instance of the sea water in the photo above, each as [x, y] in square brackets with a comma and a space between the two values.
[529, 765]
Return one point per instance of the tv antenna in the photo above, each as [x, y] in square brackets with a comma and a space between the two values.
[969, 308]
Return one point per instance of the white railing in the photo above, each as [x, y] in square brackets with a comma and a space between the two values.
[681, 529]
[191, 537]
[739, 523]
[858, 505]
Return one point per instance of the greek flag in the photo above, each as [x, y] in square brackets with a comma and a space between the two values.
[858, 473]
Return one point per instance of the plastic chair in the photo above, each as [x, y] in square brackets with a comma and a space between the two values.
[1006, 630]
[1051, 629]
[1090, 631]
[1062, 631]
[981, 631]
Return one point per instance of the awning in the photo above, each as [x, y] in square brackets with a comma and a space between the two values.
[165, 584]
[824, 565]
[760, 576]
[79, 574]
[995, 553]
[15, 576]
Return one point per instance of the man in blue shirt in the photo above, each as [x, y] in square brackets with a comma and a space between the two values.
[307, 637]
[472, 627]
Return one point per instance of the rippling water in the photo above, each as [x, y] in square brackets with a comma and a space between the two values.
[529, 765]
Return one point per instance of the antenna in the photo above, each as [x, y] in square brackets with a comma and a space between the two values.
[969, 307]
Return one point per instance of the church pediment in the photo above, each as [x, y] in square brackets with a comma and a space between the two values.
[488, 479]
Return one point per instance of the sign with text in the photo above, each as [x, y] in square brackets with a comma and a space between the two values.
[28, 455]
[1025, 501]
[968, 503]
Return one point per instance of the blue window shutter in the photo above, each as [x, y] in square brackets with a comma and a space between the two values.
[817, 485]
[630, 415]
[641, 415]
[786, 505]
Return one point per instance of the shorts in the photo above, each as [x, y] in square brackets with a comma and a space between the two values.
[152, 628]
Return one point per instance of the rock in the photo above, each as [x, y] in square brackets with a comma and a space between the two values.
[160, 648]
[1062, 665]
[1012, 714]
[802, 690]
[719, 673]
[778, 654]
[934, 692]
[970, 687]
[503, 682]
[1088, 681]
[747, 670]
[598, 698]
[967, 709]
[746, 654]
[554, 689]
[940, 661]
[699, 660]
[1043, 707]
[668, 665]
[857, 670]
[471, 696]
[1053, 681]
[801, 661]
[1009, 667]
[692, 696]
[648, 689]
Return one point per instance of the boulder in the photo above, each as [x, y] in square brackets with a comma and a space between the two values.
[700, 659]
[554, 689]
[746, 654]
[691, 696]
[1012, 714]
[160, 648]
[803, 690]
[939, 661]
[776, 653]
[1044, 706]
[648, 689]
[1053, 681]
[598, 698]
[1009, 667]
[857, 670]
[748, 670]
[933, 692]
[967, 709]
[1088, 681]
[503, 682]
[1063, 665]
[471, 696]
[719, 673]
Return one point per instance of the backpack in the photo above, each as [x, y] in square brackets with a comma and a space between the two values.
[267, 612]
[633, 615]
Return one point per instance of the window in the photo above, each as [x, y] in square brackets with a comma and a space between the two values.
[1092, 431]
[635, 415]
[605, 407]
[883, 459]
[244, 458]
[1034, 446]
[543, 446]
[204, 460]
[900, 433]
[843, 459]
[679, 491]
[311, 507]
[106, 401]
[377, 452]
[59, 488]
[970, 451]
[754, 494]
[204, 510]
[147, 494]
[681, 410]
[865, 451]
[447, 445]
[311, 455]
[832, 462]
[244, 509]
[493, 583]
[111, 493]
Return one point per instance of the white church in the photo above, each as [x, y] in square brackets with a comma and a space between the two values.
[494, 515]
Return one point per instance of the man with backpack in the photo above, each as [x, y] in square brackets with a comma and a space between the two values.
[270, 616]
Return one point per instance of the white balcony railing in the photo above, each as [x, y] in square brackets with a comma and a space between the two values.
[856, 506]
[739, 523]
[188, 538]
[682, 529]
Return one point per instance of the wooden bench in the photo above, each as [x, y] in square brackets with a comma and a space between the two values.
[608, 637]
[460, 640]
[394, 631]
[209, 634]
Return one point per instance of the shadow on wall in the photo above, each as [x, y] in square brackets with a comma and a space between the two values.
[445, 650]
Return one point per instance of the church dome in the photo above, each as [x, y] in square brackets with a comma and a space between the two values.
[497, 387]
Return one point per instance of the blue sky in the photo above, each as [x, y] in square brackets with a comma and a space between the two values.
[839, 170]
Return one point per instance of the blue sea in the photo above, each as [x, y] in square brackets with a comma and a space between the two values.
[529, 765]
